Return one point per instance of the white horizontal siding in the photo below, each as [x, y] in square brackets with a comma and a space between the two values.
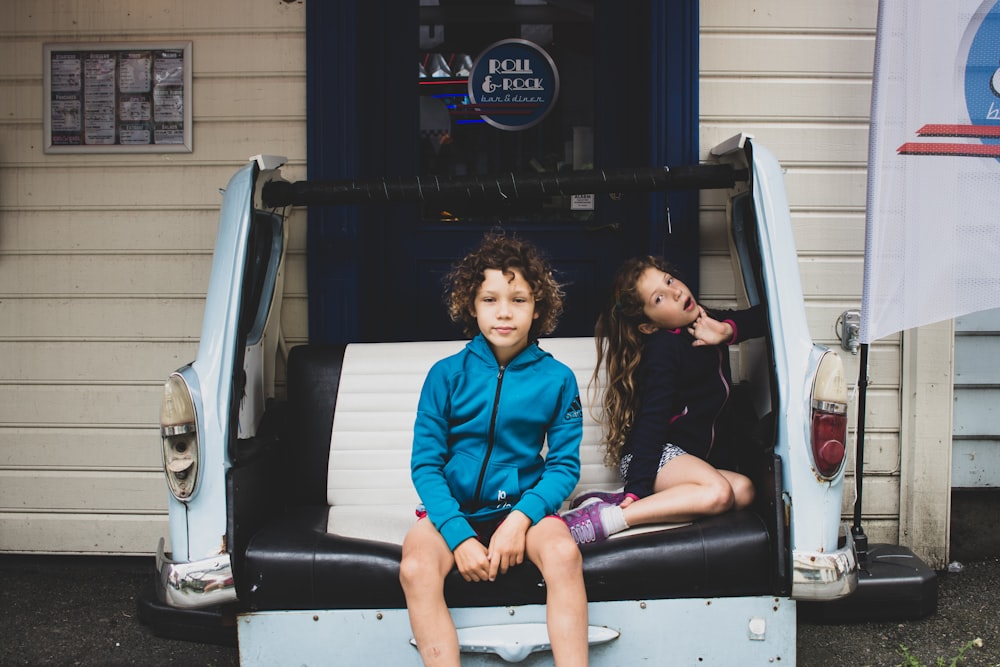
[798, 77]
[976, 424]
[104, 258]
[82, 532]
[104, 261]
[77, 447]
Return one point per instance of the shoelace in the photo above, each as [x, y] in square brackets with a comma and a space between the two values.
[584, 531]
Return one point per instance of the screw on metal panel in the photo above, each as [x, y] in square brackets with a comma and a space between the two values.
[642, 605]
[316, 617]
[510, 611]
[378, 616]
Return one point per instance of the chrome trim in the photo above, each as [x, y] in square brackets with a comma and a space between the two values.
[514, 642]
[195, 585]
[177, 429]
[830, 406]
[818, 575]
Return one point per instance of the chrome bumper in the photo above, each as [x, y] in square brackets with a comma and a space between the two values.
[195, 585]
[819, 575]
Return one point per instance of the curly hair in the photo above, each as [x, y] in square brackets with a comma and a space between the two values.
[505, 254]
[619, 350]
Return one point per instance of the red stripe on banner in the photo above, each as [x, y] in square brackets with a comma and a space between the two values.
[971, 131]
[959, 150]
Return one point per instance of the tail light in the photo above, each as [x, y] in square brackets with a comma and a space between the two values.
[829, 416]
[179, 434]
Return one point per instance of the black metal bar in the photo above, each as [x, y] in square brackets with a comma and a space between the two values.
[499, 188]
[857, 531]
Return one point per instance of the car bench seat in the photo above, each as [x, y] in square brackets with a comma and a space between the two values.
[337, 543]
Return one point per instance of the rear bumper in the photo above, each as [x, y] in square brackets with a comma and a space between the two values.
[825, 575]
[195, 585]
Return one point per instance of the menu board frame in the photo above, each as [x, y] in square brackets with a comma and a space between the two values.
[117, 97]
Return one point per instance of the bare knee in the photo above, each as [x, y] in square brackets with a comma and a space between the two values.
[556, 554]
[563, 554]
[420, 570]
[720, 497]
[743, 493]
[412, 569]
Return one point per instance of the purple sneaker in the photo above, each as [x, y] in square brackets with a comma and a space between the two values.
[585, 522]
[609, 497]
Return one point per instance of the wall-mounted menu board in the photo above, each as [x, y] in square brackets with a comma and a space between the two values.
[117, 97]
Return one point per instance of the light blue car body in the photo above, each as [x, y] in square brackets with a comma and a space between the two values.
[198, 572]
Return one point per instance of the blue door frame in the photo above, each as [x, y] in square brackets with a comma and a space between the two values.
[352, 129]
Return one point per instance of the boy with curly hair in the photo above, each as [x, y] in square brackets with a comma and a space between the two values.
[489, 498]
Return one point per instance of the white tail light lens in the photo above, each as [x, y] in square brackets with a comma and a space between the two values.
[829, 416]
[179, 434]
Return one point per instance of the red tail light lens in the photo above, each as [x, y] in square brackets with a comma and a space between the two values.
[829, 416]
[829, 431]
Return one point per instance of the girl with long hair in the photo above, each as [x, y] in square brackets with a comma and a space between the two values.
[666, 367]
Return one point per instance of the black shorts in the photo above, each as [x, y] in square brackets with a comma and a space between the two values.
[484, 529]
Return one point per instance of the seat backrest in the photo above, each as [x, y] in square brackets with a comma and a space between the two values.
[372, 433]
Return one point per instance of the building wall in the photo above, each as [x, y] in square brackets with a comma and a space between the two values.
[797, 75]
[104, 259]
[976, 431]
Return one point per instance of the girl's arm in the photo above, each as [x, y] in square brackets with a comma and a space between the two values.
[727, 327]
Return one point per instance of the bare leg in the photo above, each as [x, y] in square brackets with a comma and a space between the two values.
[426, 562]
[551, 548]
[743, 491]
[686, 488]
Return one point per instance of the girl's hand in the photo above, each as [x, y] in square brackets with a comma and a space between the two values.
[507, 545]
[708, 331]
[471, 560]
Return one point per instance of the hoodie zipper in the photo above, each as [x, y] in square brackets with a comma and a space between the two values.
[490, 437]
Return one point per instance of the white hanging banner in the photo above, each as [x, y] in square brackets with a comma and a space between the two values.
[932, 233]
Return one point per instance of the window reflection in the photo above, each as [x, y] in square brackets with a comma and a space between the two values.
[454, 140]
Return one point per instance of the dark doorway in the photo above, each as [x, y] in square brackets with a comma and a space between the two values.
[388, 96]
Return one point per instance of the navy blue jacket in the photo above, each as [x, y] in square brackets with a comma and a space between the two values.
[682, 396]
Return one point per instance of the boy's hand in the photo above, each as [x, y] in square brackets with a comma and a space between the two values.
[507, 545]
[708, 331]
[471, 560]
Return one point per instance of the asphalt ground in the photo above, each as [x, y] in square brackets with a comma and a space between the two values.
[62, 610]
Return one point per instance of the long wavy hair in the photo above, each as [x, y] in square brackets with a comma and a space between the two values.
[619, 351]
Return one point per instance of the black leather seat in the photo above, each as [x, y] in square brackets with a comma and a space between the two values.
[295, 564]
[291, 562]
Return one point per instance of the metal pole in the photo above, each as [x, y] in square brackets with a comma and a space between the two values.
[499, 188]
[860, 539]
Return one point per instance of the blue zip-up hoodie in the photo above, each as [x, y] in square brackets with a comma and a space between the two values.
[479, 433]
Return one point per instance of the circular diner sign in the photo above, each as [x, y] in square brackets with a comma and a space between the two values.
[513, 84]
